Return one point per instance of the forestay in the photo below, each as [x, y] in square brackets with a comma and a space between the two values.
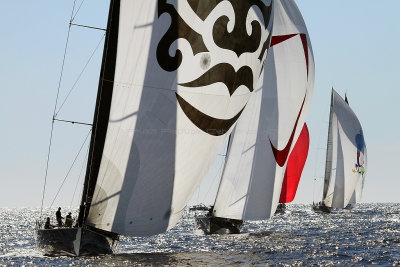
[346, 156]
[184, 72]
[270, 124]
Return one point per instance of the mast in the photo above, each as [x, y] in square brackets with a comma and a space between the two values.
[226, 155]
[102, 109]
[328, 163]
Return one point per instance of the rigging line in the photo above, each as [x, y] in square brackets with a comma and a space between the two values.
[79, 177]
[317, 154]
[76, 13]
[80, 75]
[70, 168]
[229, 143]
[89, 27]
[216, 176]
[54, 111]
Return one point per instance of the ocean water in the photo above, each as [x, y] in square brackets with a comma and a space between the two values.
[366, 235]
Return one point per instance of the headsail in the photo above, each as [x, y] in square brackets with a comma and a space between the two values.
[294, 168]
[346, 156]
[270, 124]
[184, 71]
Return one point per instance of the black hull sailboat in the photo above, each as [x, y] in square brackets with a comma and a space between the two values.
[149, 146]
[280, 209]
[76, 241]
[254, 166]
[320, 207]
[84, 239]
[216, 225]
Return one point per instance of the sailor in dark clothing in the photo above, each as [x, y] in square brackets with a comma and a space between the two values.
[59, 217]
[210, 211]
[47, 225]
[68, 220]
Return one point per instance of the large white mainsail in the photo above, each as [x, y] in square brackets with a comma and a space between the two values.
[270, 124]
[183, 72]
[346, 159]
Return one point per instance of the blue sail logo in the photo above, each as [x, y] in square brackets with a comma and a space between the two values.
[359, 166]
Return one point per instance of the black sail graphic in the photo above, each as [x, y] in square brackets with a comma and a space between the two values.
[176, 94]
[237, 40]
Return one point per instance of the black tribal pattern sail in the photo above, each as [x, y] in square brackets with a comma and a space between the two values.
[220, 36]
[184, 72]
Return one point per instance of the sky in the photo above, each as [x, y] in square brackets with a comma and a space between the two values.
[355, 45]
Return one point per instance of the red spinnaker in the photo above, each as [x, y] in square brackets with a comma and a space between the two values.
[294, 168]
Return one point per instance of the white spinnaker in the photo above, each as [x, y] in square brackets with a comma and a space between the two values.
[155, 156]
[350, 158]
[252, 179]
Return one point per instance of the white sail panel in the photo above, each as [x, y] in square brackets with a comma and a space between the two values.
[351, 155]
[273, 119]
[350, 179]
[183, 76]
[360, 185]
[331, 160]
[231, 197]
[338, 197]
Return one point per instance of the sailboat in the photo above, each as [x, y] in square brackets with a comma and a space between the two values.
[346, 158]
[266, 132]
[175, 78]
[294, 168]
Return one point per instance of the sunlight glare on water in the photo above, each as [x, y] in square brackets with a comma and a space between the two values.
[368, 234]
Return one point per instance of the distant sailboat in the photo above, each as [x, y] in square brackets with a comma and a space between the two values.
[175, 78]
[266, 132]
[346, 158]
[294, 168]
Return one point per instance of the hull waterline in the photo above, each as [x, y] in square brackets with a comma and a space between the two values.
[216, 225]
[280, 209]
[73, 242]
[318, 207]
